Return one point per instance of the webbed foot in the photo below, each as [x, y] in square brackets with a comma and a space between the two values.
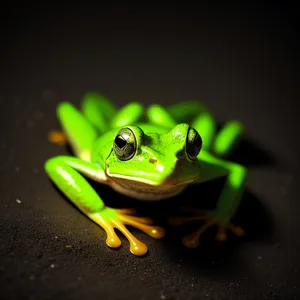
[110, 219]
[210, 218]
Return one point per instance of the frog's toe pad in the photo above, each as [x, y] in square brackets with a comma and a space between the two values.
[57, 137]
[191, 241]
[113, 241]
[237, 230]
[221, 235]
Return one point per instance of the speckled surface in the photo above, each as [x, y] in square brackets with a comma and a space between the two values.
[241, 61]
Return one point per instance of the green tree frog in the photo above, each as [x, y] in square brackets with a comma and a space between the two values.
[149, 154]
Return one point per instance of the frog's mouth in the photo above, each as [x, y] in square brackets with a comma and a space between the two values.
[144, 191]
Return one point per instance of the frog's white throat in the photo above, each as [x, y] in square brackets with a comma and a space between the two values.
[144, 191]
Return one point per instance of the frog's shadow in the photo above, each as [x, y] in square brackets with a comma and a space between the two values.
[251, 215]
[210, 254]
[250, 154]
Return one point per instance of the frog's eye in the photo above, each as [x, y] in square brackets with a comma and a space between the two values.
[125, 144]
[193, 144]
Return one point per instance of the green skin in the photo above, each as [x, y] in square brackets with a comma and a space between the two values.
[148, 154]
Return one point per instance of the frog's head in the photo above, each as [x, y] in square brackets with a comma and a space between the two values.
[155, 160]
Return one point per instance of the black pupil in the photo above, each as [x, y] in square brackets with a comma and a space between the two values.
[120, 142]
[197, 141]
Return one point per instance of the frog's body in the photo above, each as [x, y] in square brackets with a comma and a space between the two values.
[148, 155]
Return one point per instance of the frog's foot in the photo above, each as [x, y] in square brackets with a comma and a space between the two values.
[211, 218]
[110, 219]
[57, 137]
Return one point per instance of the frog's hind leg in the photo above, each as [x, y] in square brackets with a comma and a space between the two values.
[187, 110]
[104, 115]
[98, 110]
[156, 114]
[227, 138]
[182, 112]
[199, 116]
[129, 114]
[79, 132]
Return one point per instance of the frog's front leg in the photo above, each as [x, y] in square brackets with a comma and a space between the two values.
[65, 173]
[227, 204]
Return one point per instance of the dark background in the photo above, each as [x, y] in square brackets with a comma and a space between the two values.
[241, 60]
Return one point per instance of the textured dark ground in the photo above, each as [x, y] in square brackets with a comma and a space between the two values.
[242, 61]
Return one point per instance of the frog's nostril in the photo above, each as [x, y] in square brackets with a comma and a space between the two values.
[153, 160]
